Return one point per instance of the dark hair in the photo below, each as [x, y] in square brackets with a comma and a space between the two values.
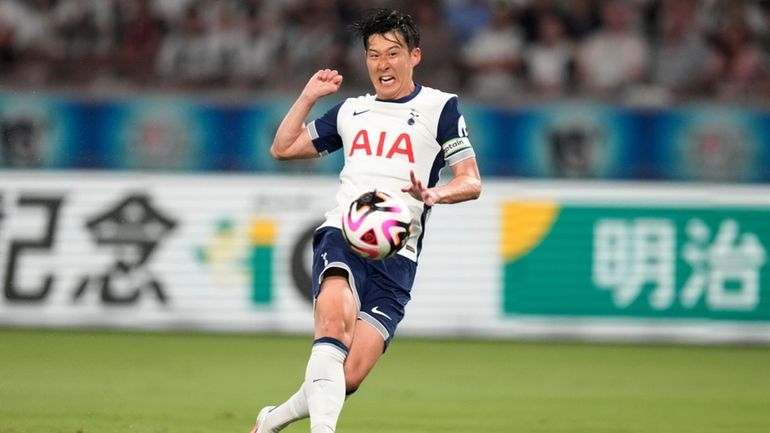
[381, 21]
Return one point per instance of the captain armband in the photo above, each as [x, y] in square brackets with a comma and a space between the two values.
[457, 149]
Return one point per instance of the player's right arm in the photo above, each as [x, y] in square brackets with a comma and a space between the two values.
[292, 141]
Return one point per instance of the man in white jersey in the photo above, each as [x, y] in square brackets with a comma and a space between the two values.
[396, 140]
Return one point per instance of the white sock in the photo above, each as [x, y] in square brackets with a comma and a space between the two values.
[293, 409]
[325, 384]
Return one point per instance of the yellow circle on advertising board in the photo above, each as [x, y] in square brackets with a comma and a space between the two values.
[524, 226]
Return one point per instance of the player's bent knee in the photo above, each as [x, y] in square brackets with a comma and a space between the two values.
[335, 328]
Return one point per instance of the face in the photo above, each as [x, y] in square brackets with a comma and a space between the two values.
[391, 65]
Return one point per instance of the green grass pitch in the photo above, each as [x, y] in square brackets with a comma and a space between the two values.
[111, 382]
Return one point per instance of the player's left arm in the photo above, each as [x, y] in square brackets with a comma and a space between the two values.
[465, 185]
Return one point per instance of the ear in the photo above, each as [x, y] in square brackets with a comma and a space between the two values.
[416, 56]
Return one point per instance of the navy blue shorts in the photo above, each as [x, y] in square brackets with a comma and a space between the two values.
[381, 287]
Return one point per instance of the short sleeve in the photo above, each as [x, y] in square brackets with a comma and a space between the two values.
[323, 131]
[452, 134]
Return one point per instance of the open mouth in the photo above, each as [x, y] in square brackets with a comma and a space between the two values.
[387, 79]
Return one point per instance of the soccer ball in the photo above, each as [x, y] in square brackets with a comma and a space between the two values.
[377, 224]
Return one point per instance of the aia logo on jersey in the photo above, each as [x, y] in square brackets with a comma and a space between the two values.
[386, 145]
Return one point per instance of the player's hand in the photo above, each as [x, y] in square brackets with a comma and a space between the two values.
[417, 190]
[322, 83]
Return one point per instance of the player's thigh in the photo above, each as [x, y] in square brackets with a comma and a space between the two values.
[335, 309]
[333, 257]
[367, 348]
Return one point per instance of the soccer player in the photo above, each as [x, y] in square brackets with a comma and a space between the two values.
[396, 140]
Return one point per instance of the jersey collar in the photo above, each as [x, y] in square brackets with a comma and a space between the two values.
[407, 98]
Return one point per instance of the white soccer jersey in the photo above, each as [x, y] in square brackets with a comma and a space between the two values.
[384, 140]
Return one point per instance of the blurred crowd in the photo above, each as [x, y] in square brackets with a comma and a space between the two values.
[640, 51]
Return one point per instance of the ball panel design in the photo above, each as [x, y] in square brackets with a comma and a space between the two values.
[377, 224]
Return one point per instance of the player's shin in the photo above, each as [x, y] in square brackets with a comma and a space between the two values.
[325, 384]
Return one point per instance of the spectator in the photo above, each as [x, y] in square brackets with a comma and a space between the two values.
[8, 50]
[532, 14]
[80, 44]
[312, 45]
[183, 59]
[439, 67]
[467, 17]
[763, 38]
[492, 58]
[259, 49]
[549, 60]
[582, 19]
[34, 28]
[614, 57]
[28, 44]
[681, 53]
[697, 48]
[764, 26]
[737, 67]
[139, 33]
[224, 41]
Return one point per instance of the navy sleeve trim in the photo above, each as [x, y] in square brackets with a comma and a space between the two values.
[451, 123]
[323, 131]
